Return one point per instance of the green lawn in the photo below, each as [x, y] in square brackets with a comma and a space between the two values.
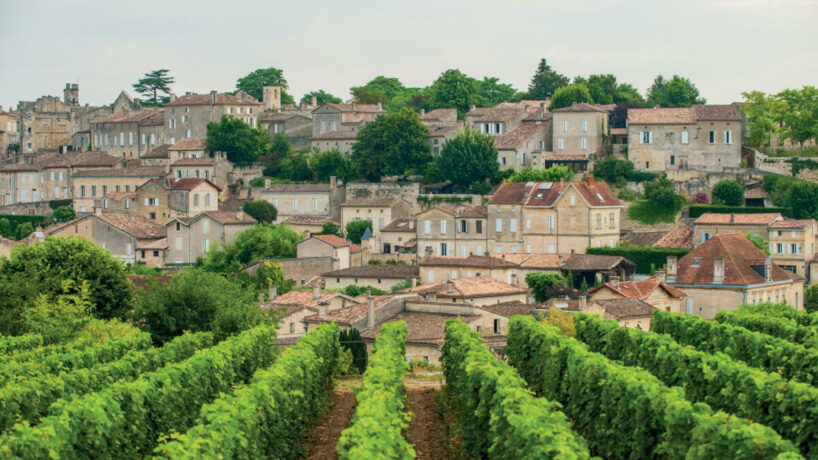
[645, 212]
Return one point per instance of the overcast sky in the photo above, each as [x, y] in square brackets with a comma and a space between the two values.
[724, 46]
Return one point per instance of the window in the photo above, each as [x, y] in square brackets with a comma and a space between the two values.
[464, 226]
[612, 220]
[673, 159]
[478, 250]
[599, 221]
[496, 326]
[143, 139]
[794, 248]
[478, 226]
[430, 277]
[315, 204]
[572, 200]
[498, 128]
[205, 225]
[196, 200]
[645, 137]
[551, 249]
[178, 239]
[127, 203]
[584, 126]
[513, 251]
[705, 237]
[583, 143]
[56, 192]
[93, 190]
[711, 137]
[130, 138]
[104, 190]
[444, 249]
[238, 110]
[551, 222]
[463, 250]
[52, 175]
[153, 138]
[442, 227]
[512, 227]
[122, 139]
[128, 249]
[295, 203]
[207, 199]
[82, 190]
[206, 246]
[728, 137]
[453, 275]
[683, 139]
[188, 134]
[564, 125]
[528, 223]
[560, 144]
[498, 249]
[498, 225]
[427, 227]
[105, 203]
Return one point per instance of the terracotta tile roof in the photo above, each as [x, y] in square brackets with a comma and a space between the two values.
[582, 107]
[422, 327]
[743, 263]
[459, 210]
[336, 135]
[376, 271]
[717, 112]
[239, 98]
[400, 225]
[439, 114]
[159, 152]
[681, 238]
[370, 202]
[793, 223]
[130, 116]
[204, 161]
[84, 159]
[353, 311]
[643, 239]
[539, 260]
[353, 248]
[470, 261]
[119, 196]
[509, 309]
[297, 188]
[593, 262]
[497, 115]
[511, 193]
[128, 171]
[269, 115]
[179, 183]
[641, 289]
[38, 163]
[519, 135]
[332, 240]
[626, 308]
[482, 286]
[661, 116]
[159, 244]
[409, 244]
[189, 144]
[372, 108]
[232, 204]
[302, 298]
[138, 226]
[765, 218]
[311, 220]
[227, 218]
[545, 194]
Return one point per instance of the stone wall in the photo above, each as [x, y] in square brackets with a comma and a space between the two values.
[39, 207]
[773, 165]
[306, 268]
[408, 192]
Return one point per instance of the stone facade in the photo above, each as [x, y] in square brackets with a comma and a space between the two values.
[452, 231]
[90, 185]
[792, 245]
[8, 132]
[190, 239]
[128, 134]
[579, 129]
[312, 200]
[341, 141]
[187, 116]
[343, 117]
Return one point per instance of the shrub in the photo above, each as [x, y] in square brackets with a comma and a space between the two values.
[728, 192]
[782, 328]
[260, 210]
[63, 213]
[356, 228]
[541, 283]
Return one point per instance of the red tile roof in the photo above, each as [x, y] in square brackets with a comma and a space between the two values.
[188, 184]
[582, 107]
[793, 223]
[545, 194]
[439, 114]
[332, 240]
[681, 238]
[717, 112]
[373, 108]
[189, 144]
[641, 289]
[129, 116]
[138, 226]
[482, 286]
[375, 271]
[519, 135]
[765, 218]
[129, 171]
[239, 98]
[400, 225]
[160, 151]
[661, 116]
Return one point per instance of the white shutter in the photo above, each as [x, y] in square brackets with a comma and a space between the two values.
[146, 201]
[641, 137]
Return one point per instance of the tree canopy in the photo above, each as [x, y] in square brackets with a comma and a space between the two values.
[552, 174]
[455, 89]
[321, 97]
[389, 91]
[393, 144]
[261, 210]
[567, 95]
[493, 92]
[254, 83]
[800, 116]
[545, 82]
[468, 158]
[259, 242]
[355, 230]
[331, 163]
[241, 143]
[542, 283]
[729, 192]
[153, 85]
[661, 194]
[676, 92]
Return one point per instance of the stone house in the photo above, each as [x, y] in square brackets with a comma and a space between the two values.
[293, 307]
[580, 128]
[88, 185]
[653, 291]
[152, 253]
[216, 169]
[380, 211]
[553, 217]
[518, 148]
[626, 311]
[117, 203]
[478, 291]
[44, 124]
[187, 148]
[495, 121]
[295, 124]
[128, 134]
[702, 138]
[343, 117]
[438, 136]
[157, 156]
[452, 231]
[728, 270]
[311, 200]
[792, 245]
[186, 117]
[191, 238]
[343, 253]
[168, 198]
[309, 225]
[381, 276]
[8, 132]
[121, 234]
[334, 140]
[709, 224]
[439, 118]
[398, 236]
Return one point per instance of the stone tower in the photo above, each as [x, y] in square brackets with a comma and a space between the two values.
[71, 94]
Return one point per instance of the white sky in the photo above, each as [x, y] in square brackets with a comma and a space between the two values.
[724, 46]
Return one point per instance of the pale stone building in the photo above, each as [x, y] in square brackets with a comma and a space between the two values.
[439, 118]
[381, 276]
[342, 141]
[8, 132]
[192, 238]
[163, 199]
[186, 117]
[128, 134]
[727, 271]
[397, 237]
[88, 185]
[709, 224]
[343, 117]
[310, 200]
[343, 253]
[792, 245]
[452, 231]
[295, 124]
[438, 137]
[653, 291]
[380, 211]
[580, 128]
[702, 137]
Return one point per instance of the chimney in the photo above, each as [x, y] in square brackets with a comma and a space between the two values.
[583, 302]
[472, 107]
[316, 292]
[411, 224]
[449, 287]
[272, 292]
[333, 182]
[380, 106]
[560, 259]
[172, 98]
[768, 270]
[370, 311]
[671, 269]
[656, 106]
[353, 106]
[213, 97]
[660, 276]
[514, 280]
[590, 179]
[314, 101]
[414, 282]
[422, 111]
[718, 270]
[323, 310]
[614, 280]
[266, 182]
[239, 215]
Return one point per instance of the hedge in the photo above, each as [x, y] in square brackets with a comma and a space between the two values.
[54, 204]
[439, 199]
[268, 417]
[782, 309]
[30, 399]
[10, 344]
[496, 413]
[642, 257]
[764, 351]
[625, 412]
[697, 210]
[15, 220]
[380, 417]
[789, 407]
[782, 328]
[126, 419]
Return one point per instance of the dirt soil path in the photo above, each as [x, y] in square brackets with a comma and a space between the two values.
[324, 435]
[426, 432]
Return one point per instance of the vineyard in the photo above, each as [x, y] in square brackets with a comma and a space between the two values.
[741, 386]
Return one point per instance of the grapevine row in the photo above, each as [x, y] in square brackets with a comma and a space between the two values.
[375, 429]
[782, 328]
[30, 399]
[269, 416]
[10, 344]
[627, 412]
[41, 352]
[782, 309]
[496, 414]
[791, 408]
[791, 360]
[127, 418]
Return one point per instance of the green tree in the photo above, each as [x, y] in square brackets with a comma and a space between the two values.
[801, 114]
[321, 97]
[661, 194]
[331, 163]
[493, 92]
[567, 95]
[237, 139]
[261, 241]
[60, 318]
[541, 283]
[355, 230]
[728, 192]
[24, 229]
[393, 144]
[368, 95]
[811, 298]
[254, 83]
[330, 228]
[802, 196]
[56, 259]
[296, 167]
[278, 151]
[759, 242]
[5, 228]
[261, 210]
[196, 300]
[676, 92]
[552, 174]
[612, 170]
[453, 89]
[269, 273]
[627, 93]
[62, 214]
[545, 82]
[467, 158]
[764, 112]
[387, 90]
[351, 340]
[154, 83]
